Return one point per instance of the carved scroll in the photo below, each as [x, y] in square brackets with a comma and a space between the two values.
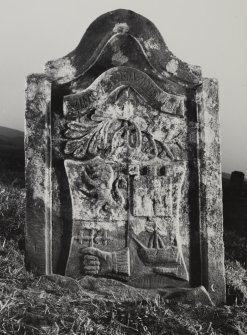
[124, 76]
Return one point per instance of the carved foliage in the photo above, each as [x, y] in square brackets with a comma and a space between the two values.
[124, 124]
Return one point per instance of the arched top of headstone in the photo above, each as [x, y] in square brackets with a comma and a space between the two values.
[123, 37]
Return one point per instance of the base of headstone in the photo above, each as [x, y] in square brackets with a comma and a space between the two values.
[110, 289]
[193, 296]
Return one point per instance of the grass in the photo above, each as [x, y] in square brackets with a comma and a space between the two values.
[40, 305]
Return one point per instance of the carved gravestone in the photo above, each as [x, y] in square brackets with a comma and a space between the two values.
[123, 163]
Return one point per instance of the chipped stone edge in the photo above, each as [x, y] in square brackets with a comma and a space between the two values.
[38, 174]
[211, 207]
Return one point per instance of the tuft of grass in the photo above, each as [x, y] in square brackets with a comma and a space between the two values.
[236, 278]
[236, 246]
[38, 305]
[12, 212]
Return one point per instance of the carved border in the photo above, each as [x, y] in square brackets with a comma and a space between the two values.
[210, 187]
[38, 174]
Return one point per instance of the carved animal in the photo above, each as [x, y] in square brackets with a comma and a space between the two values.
[101, 186]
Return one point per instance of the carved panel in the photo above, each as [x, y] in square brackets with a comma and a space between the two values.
[155, 224]
[114, 78]
[123, 192]
[123, 129]
[152, 196]
[98, 190]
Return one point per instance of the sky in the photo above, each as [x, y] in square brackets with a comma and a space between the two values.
[209, 33]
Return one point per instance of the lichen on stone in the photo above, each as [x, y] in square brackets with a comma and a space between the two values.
[151, 44]
[61, 69]
[119, 58]
[121, 28]
[172, 66]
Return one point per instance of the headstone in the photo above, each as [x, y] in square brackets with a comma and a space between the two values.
[123, 163]
[237, 182]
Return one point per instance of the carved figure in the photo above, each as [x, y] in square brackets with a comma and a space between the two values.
[106, 191]
[155, 239]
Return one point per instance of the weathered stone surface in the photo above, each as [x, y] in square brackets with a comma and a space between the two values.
[211, 209]
[193, 296]
[113, 289]
[110, 289]
[123, 163]
[111, 32]
[38, 181]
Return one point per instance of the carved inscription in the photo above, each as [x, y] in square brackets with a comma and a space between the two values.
[124, 76]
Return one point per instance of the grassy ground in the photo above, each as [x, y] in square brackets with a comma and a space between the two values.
[30, 305]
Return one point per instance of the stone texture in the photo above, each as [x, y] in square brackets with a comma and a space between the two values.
[211, 208]
[193, 296]
[123, 163]
[112, 30]
[38, 181]
[114, 290]
[110, 289]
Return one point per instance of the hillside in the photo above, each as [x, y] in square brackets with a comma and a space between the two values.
[11, 139]
[11, 156]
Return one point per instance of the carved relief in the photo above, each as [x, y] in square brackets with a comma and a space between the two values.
[102, 190]
[128, 77]
[122, 130]
[157, 256]
[123, 192]
[122, 178]
[93, 236]
[155, 225]
[152, 195]
[96, 261]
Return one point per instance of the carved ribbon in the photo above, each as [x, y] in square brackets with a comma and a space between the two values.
[124, 76]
